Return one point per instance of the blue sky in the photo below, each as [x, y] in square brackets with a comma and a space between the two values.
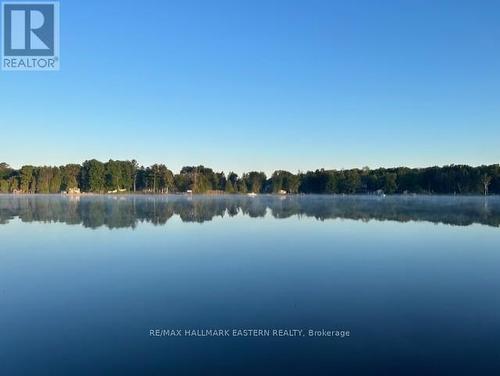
[240, 85]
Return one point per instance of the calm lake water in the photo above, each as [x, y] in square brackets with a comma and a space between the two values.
[415, 281]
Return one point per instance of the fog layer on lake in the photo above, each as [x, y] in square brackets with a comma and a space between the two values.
[128, 211]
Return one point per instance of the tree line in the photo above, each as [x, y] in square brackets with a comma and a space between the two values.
[128, 176]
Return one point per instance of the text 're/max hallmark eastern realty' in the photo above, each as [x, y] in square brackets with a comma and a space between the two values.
[334, 333]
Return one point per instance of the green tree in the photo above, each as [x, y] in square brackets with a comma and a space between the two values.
[5, 171]
[255, 181]
[219, 181]
[14, 184]
[229, 188]
[4, 186]
[284, 180]
[43, 176]
[350, 181]
[390, 185]
[277, 181]
[165, 179]
[293, 183]
[93, 176]
[182, 182]
[56, 181]
[26, 179]
[113, 175]
[128, 174]
[70, 176]
[242, 186]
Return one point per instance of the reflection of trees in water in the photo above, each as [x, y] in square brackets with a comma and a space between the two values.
[127, 211]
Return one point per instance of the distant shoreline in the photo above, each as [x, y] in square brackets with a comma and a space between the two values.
[125, 177]
[178, 194]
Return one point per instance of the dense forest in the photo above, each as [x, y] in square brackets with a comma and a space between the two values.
[128, 176]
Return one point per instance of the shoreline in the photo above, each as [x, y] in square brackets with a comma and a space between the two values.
[128, 194]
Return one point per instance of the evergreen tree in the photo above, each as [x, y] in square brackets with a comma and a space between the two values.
[229, 188]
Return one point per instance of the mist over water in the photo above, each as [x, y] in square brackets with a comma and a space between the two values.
[129, 210]
[84, 279]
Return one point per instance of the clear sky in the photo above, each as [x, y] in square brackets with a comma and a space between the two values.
[263, 84]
